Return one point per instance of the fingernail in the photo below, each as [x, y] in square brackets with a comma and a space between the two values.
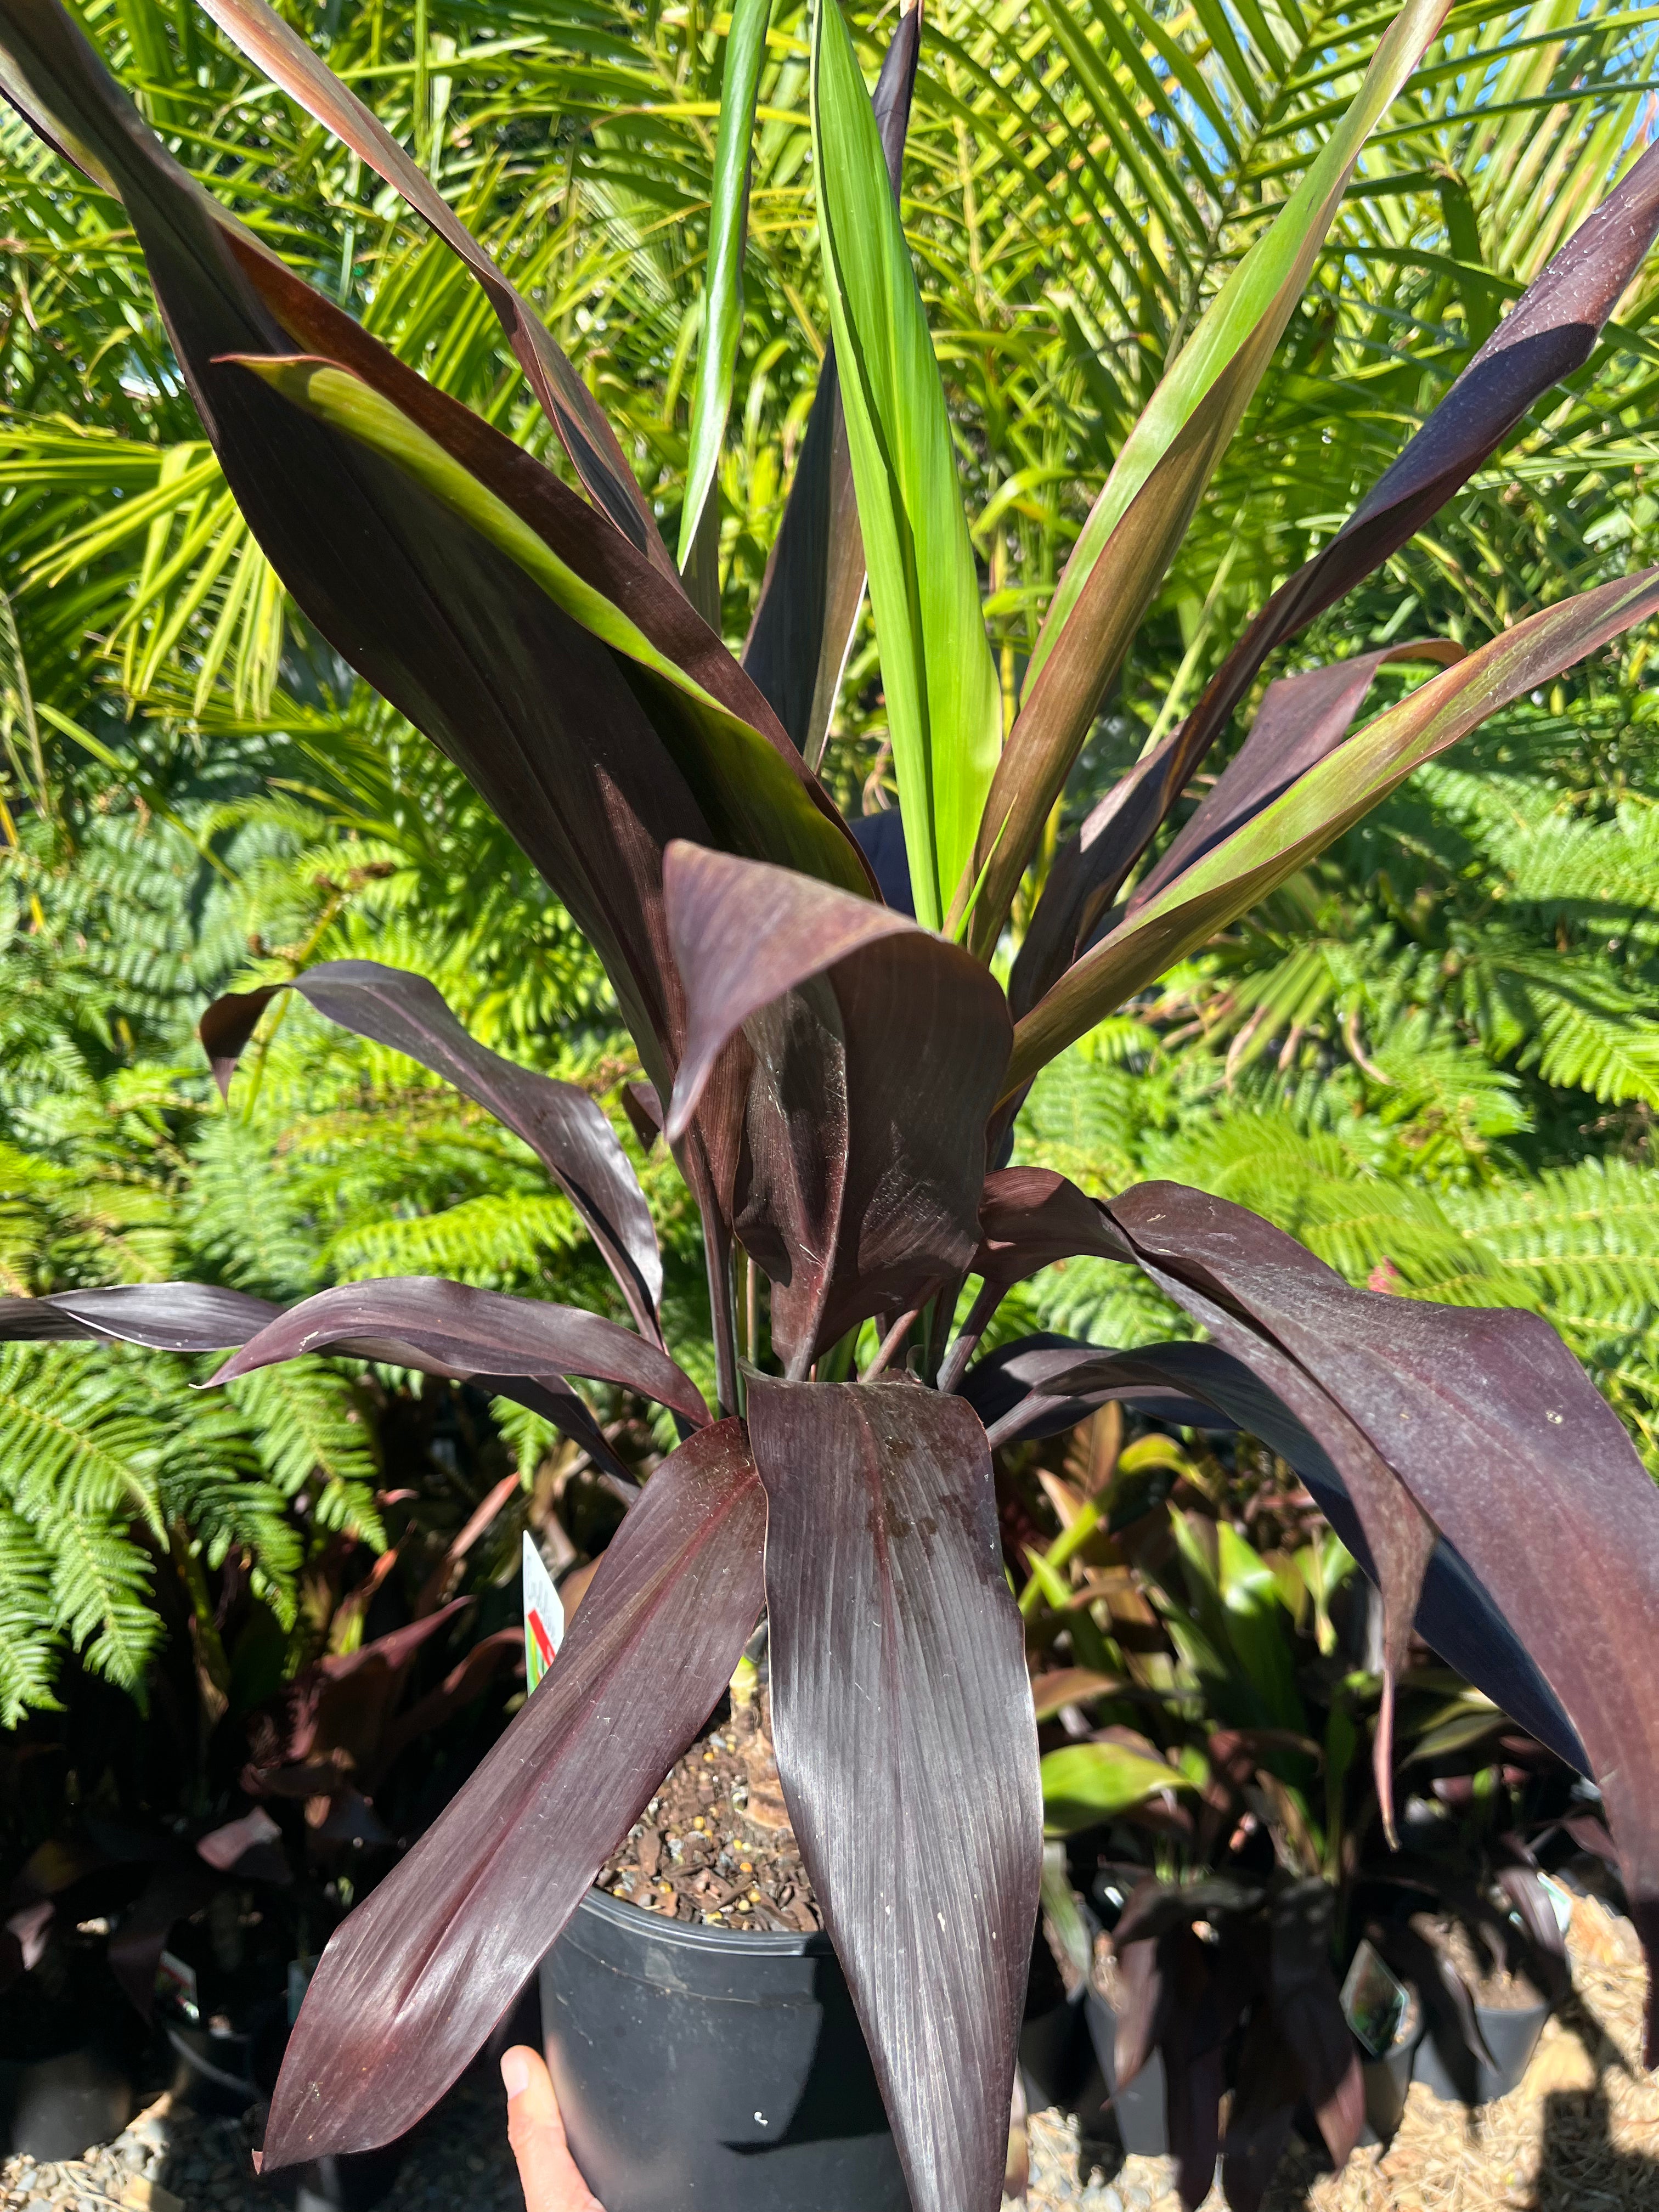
[515, 2072]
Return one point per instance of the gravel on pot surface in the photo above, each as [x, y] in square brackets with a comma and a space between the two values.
[715, 1846]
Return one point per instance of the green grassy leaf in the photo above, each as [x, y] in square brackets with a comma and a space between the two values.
[944, 702]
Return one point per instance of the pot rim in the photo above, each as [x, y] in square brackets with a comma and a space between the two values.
[812, 1943]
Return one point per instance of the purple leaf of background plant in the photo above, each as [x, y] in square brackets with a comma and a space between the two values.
[902, 1717]
[561, 1125]
[469, 1332]
[423, 1970]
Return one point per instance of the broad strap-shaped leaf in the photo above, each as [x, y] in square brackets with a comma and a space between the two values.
[423, 1970]
[561, 1125]
[1302, 720]
[470, 1332]
[1044, 1384]
[164, 1316]
[589, 765]
[1192, 415]
[907, 1749]
[1031, 1216]
[877, 1048]
[808, 608]
[1503, 1444]
[722, 293]
[588, 439]
[1551, 332]
[1233, 876]
[944, 701]
[754, 790]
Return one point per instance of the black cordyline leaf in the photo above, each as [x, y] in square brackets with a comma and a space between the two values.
[1300, 720]
[903, 1718]
[1500, 1441]
[593, 763]
[1265, 2098]
[423, 1970]
[858, 1188]
[165, 1316]
[561, 1125]
[1042, 1385]
[569, 406]
[1455, 1614]
[1031, 1216]
[1550, 332]
[1307, 2011]
[423, 1320]
[809, 601]
[188, 1317]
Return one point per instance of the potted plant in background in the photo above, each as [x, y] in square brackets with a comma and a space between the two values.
[836, 1080]
[1214, 1756]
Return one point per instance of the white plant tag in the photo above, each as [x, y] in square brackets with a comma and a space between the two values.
[544, 1615]
[1373, 2002]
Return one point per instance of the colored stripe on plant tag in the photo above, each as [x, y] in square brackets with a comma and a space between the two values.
[544, 1615]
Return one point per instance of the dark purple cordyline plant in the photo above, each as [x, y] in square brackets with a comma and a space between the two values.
[836, 1080]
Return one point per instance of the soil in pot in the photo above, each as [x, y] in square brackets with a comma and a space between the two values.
[1510, 2013]
[715, 1849]
[70, 2049]
[701, 2035]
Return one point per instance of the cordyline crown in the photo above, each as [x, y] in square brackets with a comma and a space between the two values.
[839, 1079]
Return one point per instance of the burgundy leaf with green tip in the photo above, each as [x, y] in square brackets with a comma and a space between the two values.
[859, 1187]
[902, 1713]
[593, 761]
[1301, 719]
[1551, 332]
[1502, 1444]
[809, 601]
[559, 1122]
[423, 1970]
[1225, 881]
[463, 1331]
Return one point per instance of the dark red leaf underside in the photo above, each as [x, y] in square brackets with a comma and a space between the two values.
[859, 1187]
[1500, 1441]
[908, 1751]
[561, 1125]
[420, 1974]
[456, 1330]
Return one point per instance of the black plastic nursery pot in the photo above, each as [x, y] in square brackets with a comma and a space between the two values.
[1456, 2075]
[1138, 2107]
[1387, 2081]
[60, 2105]
[699, 2067]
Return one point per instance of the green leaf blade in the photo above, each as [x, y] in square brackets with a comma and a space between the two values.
[944, 701]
